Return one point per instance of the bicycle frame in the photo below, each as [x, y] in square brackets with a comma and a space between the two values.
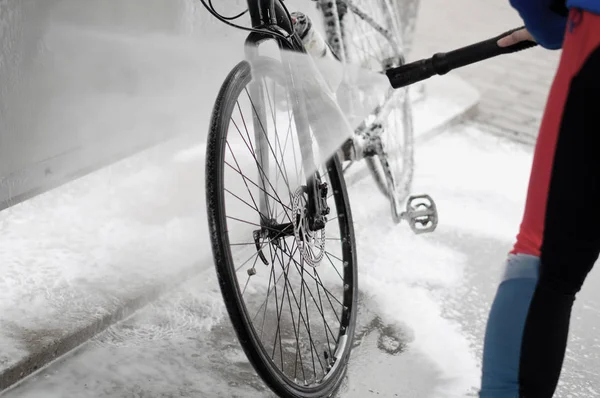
[271, 16]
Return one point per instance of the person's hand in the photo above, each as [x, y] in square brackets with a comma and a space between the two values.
[515, 37]
[542, 21]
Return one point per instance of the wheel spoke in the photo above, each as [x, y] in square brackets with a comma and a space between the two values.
[270, 146]
[262, 190]
[297, 264]
[277, 309]
[317, 283]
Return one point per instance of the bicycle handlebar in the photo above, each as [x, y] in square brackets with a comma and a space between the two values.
[442, 63]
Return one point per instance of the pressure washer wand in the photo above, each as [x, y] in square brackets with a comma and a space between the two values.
[442, 63]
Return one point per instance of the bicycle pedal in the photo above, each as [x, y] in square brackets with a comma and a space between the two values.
[421, 214]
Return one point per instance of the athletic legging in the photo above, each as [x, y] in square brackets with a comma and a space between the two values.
[559, 238]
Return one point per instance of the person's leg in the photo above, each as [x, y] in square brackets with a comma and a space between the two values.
[559, 240]
[571, 240]
[504, 332]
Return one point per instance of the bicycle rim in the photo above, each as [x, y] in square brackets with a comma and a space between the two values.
[290, 296]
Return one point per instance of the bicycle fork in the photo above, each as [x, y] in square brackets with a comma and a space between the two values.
[316, 189]
[310, 200]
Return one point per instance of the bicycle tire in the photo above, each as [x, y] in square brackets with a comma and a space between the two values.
[237, 80]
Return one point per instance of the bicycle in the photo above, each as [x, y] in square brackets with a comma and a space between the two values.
[300, 237]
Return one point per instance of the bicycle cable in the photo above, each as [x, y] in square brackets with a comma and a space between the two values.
[286, 10]
[225, 20]
[224, 17]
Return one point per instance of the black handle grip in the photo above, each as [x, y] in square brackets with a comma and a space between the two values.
[442, 63]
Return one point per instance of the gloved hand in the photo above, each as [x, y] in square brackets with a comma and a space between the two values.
[545, 25]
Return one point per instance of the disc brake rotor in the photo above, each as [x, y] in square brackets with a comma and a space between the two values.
[311, 244]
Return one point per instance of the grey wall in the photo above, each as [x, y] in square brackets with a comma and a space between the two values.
[83, 82]
[21, 28]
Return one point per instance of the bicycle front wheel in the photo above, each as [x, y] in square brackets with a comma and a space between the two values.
[290, 292]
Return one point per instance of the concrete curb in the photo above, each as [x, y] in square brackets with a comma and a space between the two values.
[516, 136]
[464, 95]
[36, 361]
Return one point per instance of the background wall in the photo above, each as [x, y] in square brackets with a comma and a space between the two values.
[84, 82]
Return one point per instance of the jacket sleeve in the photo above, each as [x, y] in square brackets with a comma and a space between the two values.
[545, 24]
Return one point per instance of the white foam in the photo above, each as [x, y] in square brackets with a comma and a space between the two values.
[408, 276]
[479, 185]
[479, 181]
[67, 251]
